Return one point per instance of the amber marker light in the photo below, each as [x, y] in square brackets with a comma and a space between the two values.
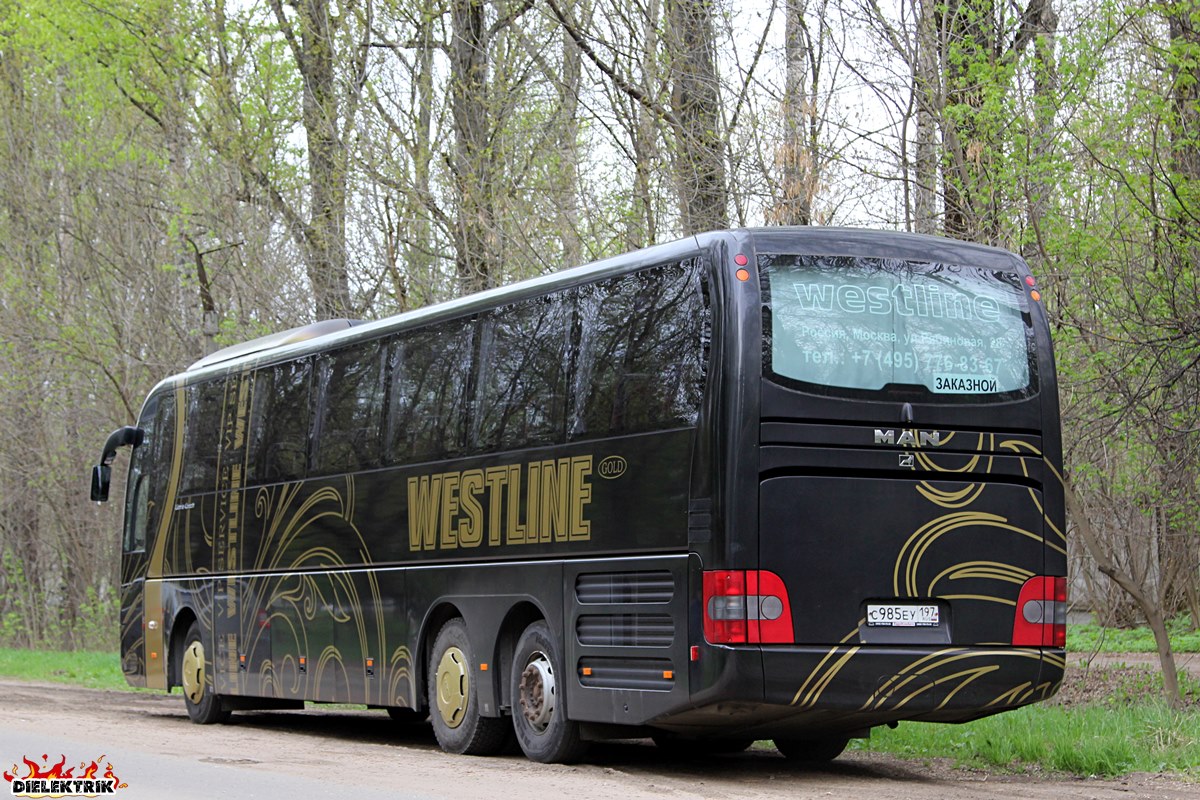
[743, 275]
[483, 667]
[1036, 295]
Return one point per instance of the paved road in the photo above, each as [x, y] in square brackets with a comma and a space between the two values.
[349, 754]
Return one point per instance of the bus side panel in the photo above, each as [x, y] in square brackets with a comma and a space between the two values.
[133, 633]
[329, 636]
[493, 600]
[627, 638]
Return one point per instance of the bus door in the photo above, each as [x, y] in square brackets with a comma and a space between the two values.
[901, 473]
[142, 652]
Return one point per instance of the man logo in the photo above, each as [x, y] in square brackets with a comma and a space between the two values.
[909, 438]
[612, 467]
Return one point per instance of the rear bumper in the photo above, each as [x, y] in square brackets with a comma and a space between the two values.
[846, 690]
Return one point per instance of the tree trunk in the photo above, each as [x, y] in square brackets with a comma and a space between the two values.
[475, 222]
[696, 102]
[327, 162]
[926, 87]
[642, 229]
[797, 157]
[568, 145]
[1045, 102]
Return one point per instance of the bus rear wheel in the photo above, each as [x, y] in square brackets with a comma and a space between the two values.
[453, 697]
[811, 750]
[538, 700]
[204, 706]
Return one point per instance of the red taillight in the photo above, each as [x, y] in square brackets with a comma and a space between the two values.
[746, 607]
[1041, 616]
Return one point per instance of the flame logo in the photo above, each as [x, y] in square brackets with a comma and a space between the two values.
[60, 771]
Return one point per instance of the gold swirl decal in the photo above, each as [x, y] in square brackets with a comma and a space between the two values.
[987, 570]
[909, 560]
[400, 667]
[823, 680]
[928, 673]
[891, 693]
[331, 660]
[1017, 446]
[322, 591]
[950, 499]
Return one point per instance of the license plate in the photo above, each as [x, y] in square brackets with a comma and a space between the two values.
[902, 615]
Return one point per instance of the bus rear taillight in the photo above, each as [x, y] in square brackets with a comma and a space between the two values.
[746, 607]
[1041, 618]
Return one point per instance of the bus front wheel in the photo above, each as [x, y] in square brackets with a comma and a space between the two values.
[204, 706]
[453, 697]
[811, 750]
[538, 703]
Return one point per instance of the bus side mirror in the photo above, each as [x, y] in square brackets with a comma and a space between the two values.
[129, 436]
[101, 476]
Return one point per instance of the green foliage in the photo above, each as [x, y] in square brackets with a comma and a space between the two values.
[1095, 740]
[34, 614]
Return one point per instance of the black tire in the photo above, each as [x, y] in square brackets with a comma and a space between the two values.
[539, 703]
[454, 700]
[812, 751]
[682, 747]
[204, 706]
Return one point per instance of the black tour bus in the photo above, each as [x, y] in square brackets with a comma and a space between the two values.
[778, 483]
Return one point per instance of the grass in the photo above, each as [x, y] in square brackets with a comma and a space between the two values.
[1099, 740]
[95, 670]
[1093, 638]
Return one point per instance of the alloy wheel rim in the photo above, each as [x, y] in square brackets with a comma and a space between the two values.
[453, 684]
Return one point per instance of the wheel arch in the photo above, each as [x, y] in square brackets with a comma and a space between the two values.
[438, 615]
[180, 625]
[522, 614]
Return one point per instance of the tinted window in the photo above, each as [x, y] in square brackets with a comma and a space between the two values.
[864, 325]
[351, 389]
[430, 369]
[522, 374]
[641, 359]
[142, 470]
[202, 436]
[280, 423]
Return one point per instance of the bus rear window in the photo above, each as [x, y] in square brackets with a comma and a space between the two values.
[842, 325]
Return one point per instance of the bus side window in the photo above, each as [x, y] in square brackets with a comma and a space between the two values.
[146, 472]
[202, 436]
[279, 423]
[351, 390]
[428, 400]
[640, 363]
[522, 374]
